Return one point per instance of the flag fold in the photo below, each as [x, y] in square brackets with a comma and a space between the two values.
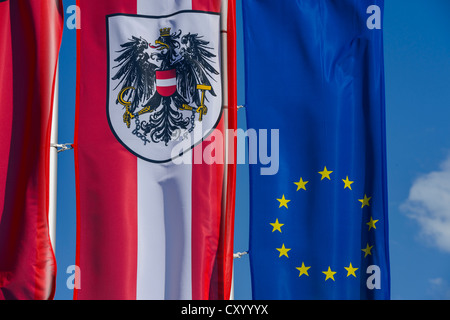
[30, 37]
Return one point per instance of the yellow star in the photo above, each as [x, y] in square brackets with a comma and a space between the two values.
[276, 226]
[347, 183]
[283, 202]
[365, 201]
[329, 274]
[303, 270]
[351, 270]
[367, 250]
[371, 223]
[301, 184]
[325, 174]
[283, 251]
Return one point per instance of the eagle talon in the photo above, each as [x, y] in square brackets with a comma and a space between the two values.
[202, 110]
[127, 116]
[147, 109]
[185, 107]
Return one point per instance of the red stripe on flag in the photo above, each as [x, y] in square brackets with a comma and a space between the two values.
[106, 209]
[221, 284]
[26, 255]
[207, 180]
[212, 231]
[6, 87]
[232, 147]
[75, 149]
[206, 205]
[206, 5]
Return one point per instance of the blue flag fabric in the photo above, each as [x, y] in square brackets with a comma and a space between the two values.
[318, 224]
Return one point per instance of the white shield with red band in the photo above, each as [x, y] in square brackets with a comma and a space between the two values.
[166, 82]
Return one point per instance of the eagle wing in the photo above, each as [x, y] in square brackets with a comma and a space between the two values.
[194, 67]
[135, 70]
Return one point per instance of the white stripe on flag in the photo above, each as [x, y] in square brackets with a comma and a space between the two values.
[151, 235]
[164, 211]
[164, 231]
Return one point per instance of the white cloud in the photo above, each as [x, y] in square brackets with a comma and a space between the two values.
[429, 204]
[438, 289]
[437, 281]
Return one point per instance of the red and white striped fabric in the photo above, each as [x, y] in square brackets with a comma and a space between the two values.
[30, 36]
[148, 229]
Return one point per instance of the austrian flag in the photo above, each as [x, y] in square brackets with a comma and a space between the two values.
[153, 77]
[30, 36]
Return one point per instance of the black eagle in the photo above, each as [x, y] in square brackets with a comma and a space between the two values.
[137, 64]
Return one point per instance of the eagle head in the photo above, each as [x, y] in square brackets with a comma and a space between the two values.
[163, 42]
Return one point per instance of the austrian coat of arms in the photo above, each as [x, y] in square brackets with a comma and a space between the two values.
[163, 82]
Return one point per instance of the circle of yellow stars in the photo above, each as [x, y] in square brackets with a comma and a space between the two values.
[277, 227]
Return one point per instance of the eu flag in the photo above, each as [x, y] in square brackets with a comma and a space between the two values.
[315, 75]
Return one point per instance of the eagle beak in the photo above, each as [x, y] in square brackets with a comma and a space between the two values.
[162, 45]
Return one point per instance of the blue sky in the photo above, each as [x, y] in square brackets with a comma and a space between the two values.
[417, 68]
